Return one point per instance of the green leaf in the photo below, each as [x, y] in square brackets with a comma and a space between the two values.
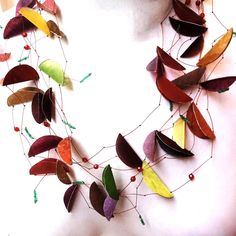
[109, 183]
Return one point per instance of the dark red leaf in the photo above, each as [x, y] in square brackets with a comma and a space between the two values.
[24, 3]
[37, 109]
[44, 143]
[16, 26]
[126, 153]
[219, 84]
[195, 47]
[186, 14]
[20, 73]
[171, 147]
[48, 104]
[70, 196]
[187, 28]
[97, 198]
[47, 166]
[168, 60]
[62, 173]
[192, 78]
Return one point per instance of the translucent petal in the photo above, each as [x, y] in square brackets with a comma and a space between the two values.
[24, 3]
[54, 70]
[48, 104]
[4, 56]
[70, 196]
[64, 150]
[179, 132]
[53, 27]
[35, 18]
[37, 108]
[62, 173]
[153, 181]
[49, 6]
[109, 207]
[150, 146]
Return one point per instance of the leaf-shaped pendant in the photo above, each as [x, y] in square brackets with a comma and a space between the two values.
[70, 196]
[37, 108]
[150, 146]
[109, 207]
[64, 150]
[48, 104]
[62, 173]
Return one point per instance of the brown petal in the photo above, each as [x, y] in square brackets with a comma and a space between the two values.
[62, 173]
[48, 104]
[37, 109]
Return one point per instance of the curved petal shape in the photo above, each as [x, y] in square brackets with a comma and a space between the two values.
[198, 124]
[187, 28]
[109, 183]
[46, 166]
[70, 196]
[16, 26]
[37, 109]
[179, 132]
[168, 60]
[97, 198]
[4, 56]
[64, 150]
[195, 47]
[217, 50]
[62, 173]
[187, 14]
[53, 27]
[43, 144]
[36, 19]
[20, 73]
[153, 181]
[48, 104]
[24, 3]
[22, 96]
[170, 91]
[191, 78]
[49, 6]
[152, 65]
[109, 207]
[171, 147]
[126, 153]
[54, 70]
[150, 146]
[219, 84]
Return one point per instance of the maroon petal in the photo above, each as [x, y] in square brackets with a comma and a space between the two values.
[48, 104]
[150, 146]
[109, 207]
[44, 143]
[70, 196]
[20, 73]
[37, 109]
[24, 3]
[16, 26]
[62, 173]
[126, 153]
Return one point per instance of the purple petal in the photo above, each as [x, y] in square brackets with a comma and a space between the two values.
[149, 146]
[109, 207]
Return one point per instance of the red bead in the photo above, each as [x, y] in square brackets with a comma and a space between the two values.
[191, 176]
[140, 169]
[24, 34]
[27, 47]
[95, 166]
[202, 15]
[132, 178]
[17, 129]
[46, 124]
[85, 159]
[198, 2]
[187, 2]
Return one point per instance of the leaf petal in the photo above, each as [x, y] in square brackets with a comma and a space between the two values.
[171, 147]
[22, 96]
[20, 73]
[217, 50]
[187, 28]
[153, 181]
[35, 18]
[150, 146]
[187, 14]
[48, 104]
[179, 132]
[70, 196]
[195, 47]
[198, 124]
[16, 26]
[170, 91]
[191, 78]
[126, 153]
[152, 65]
[43, 144]
[219, 84]
[53, 27]
[49, 6]
[24, 3]
[37, 109]
[64, 150]
[168, 60]
[109, 207]
[46, 166]
[109, 183]
[54, 70]
[61, 173]
[4, 56]
[97, 198]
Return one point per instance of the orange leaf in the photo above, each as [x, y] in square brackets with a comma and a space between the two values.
[64, 150]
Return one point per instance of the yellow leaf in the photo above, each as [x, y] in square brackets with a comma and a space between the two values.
[36, 19]
[179, 132]
[153, 181]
